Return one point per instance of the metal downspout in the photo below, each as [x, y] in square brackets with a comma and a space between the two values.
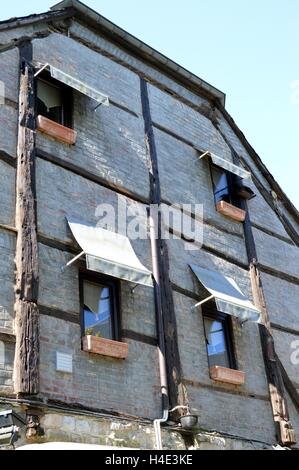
[153, 229]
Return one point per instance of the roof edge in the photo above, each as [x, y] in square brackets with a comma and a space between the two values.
[262, 167]
[144, 49]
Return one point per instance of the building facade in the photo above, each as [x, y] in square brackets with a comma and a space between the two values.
[102, 335]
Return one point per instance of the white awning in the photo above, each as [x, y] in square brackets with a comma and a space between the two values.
[75, 84]
[227, 295]
[110, 253]
[226, 165]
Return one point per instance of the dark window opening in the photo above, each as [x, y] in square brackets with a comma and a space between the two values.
[224, 184]
[54, 100]
[218, 336]
[229, 188]
[99, 306]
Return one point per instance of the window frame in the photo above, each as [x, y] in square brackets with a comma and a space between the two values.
[114, 288]
[209, 311]
[67, 99]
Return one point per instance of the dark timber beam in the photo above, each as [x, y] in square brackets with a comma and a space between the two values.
[284, 429]
[174, 371]
[26, 372]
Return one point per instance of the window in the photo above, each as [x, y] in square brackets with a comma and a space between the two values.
[219, 340]
[224, 186]
[54, 100]
[228, 187]
[99, 307]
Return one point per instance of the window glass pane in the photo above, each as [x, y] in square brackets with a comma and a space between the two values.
[216, 343]
[49, 101]
[97, 310]
[221, 188]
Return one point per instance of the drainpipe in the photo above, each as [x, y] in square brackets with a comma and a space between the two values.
[154, 239]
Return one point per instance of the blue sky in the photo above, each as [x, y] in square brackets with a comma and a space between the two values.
[248, 49]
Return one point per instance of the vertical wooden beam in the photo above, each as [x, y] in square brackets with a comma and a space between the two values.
[284, 430]
[26, 373]
[174, 370]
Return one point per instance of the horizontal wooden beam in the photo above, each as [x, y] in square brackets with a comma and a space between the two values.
[273, 234]
[225, 389]
[8, 228]
[38, 19]
[279, 274]
[284, 329]
[57, 244]
[5, 157]
[7, 335]
[71, 317]
[139, 337]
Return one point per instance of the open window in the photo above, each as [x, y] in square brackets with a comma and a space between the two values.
[100, 316]
[54, 102]
[54, 109]
[222, 299]
[229, 188]
[99, 301]
[218, 337]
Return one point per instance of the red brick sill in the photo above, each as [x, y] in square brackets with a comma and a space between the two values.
[230, 211]
[230, 376]
[105, 347]
[55, 130]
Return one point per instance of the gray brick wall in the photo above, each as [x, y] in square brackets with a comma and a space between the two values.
[7, 254]
[97, 71]
[7, 200]
[8, 129]
[128, 386]
[9, 67]
[181, 274]
[186, 123]
[185, 179]
[110, 143]
[276, 253]
[240, 416]
[282, 300]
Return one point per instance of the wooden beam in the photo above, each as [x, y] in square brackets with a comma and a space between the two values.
[5, 157]
[284, 429]
[289, 385]
[141, 338]
[273, 234]
[27, 316]
[279, 274]
[163, 289]
[7, 335]
[39, 19]
[284, 329]
[71, 317]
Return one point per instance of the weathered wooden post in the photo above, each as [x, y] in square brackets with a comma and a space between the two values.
[26, 374]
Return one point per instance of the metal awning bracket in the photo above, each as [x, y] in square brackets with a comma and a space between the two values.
[134, 288]
[41, 70]
[72, 261]
[202, 302]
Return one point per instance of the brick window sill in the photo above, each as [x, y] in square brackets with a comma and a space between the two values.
[105, 347]
[55, 130]
[228, 210]
[226, 375]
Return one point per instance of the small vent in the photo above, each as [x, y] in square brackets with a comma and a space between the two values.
[64, 362]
